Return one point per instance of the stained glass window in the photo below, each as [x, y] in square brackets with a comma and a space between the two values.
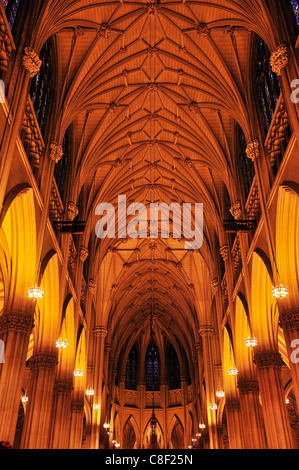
[174, 370]
[295, 6]
[11, 8]
[40, 91]
[131, 367]
[267, 84]
[152, 362]
[247, 165]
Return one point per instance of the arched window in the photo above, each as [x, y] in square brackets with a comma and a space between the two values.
[295, 6]
[267, 83]
[40, 91]
[131, 368]
[174, 370]
[152, 362]
[11, 8]
[247, 165]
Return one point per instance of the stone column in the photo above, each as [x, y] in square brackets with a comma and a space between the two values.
[61, 414]
[254, 430]
[206, 333]
[76, 428]
[36, 432]
[234, 423]
[15, 329]
[278, 431]
[100, 333]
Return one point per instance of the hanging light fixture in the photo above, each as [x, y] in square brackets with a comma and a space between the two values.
[280, 292]
[250, 342]
[201, 426]
[220, 393]
[287, 401]
[96, 407]
[78, 373]
[117, 445]
[106, 425]
[213, 406]
[89, 392]
[198, 434]
[61, 344]
[35, 293]
[232, 371]
[24, 399]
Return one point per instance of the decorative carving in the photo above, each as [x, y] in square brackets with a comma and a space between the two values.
[279, 134]
[290, 320]
[43, 360]
[31, 61]
[31, 136]
[253, 203]
[236, 210]
[265, 359]
[92, 286]
[6, 47]
[77, 406]
[78, 31]
[56, 207]
[72, 211]
[203, 30]
[56, 151]
[83, 254]
[215, 284]
[72, 255]
[104, 31]
[279, 59]
[21, 323]
[233, 404]
[224, 252]
[224, 288]
[236, 253]
[193, 107]
[83, 289]
[63, 387]
[248, 386]
[206, 330]
[100, 331]
[253, 150]
[153, 8]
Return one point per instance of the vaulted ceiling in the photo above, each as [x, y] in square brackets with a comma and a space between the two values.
[153, 93]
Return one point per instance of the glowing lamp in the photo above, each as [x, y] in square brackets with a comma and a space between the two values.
[220, 394]
[232, 371]
[89, 392]
[61, 344]
[78, 373]
[280, 291]
[97, 407]
[213, 407]
[250, 342]
[35, 293]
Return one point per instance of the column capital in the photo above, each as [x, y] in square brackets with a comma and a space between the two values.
[63, 387]
[31, 61]
[253, 150]
[215, 284]
[56, 151]
[290, 320]
[265, 359]
[248, 385]
[77, 405]
[279, 58]
[43, 360]
[19, 322]
[206, 330]
[100, 331]
[233, 404]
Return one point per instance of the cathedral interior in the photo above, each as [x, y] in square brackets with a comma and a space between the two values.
[141, 342]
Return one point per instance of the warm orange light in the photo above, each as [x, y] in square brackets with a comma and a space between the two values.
[280, 292]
